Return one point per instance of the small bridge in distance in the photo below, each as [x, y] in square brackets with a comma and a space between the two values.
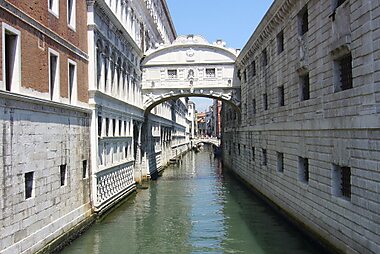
[212, 141]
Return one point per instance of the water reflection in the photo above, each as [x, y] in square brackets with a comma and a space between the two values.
[193, 208]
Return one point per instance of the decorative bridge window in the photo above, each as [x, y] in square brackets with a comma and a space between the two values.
[172, 74]
[210, 72]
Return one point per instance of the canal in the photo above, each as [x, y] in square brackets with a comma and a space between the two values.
[193, 208]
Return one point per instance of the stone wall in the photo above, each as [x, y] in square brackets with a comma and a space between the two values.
[294, 139]
[49, 141]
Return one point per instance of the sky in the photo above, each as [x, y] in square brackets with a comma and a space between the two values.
[232, 21]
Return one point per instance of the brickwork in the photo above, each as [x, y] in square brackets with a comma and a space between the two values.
[35, 44]
[334, 127]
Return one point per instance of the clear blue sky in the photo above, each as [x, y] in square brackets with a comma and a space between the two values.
[232, 21]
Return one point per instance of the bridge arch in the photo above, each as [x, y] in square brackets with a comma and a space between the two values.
[190, 67]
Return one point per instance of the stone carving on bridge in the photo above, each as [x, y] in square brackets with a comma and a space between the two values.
[203, 69]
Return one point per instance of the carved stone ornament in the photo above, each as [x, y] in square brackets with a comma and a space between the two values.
[190, 52]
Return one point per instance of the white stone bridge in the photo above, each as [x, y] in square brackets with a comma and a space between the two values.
[190, 67]
[212, 141]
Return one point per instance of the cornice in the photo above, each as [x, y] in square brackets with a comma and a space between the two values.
[274, 17]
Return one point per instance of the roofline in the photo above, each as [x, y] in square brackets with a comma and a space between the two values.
[168, 48]
[264, 23]
[167, 12]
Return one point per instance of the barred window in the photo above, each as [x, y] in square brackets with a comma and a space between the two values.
[210, 72]
[344, 73]
[172, 74]
[303, 169]
[341, 184]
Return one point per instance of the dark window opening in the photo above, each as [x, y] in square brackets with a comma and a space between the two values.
[253, 68]
[84, 169]
[342, 181]
[254, 106]
[345, 72]
[71, 81]
[114, 127]
[265, 57]
[53, 74]
[107, 126]
[99, 126]
[239, 149]
[281, 96]
[10, 59]
[304, 20]
[280, 162]
[339, 3]
[120, 129]
[62, 170]
[305, 87]
[253, 153]
[265, 158]
[303, 165]
[29, 184]
[280, 42]
[265, 101]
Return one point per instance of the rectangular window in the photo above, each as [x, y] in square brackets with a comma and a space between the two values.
[239, 149]
[343, 72]
[303, 169]
[254, 106]
[107, 127]
[303, 21]
[253, 153]
[253, 68]
[113, 127]
[120, 129]
[280, 162]
[53, 75]
[72, 82]
[71, 14]
[62, 171]
[172, 74]
[281, 96]
[341, 181]
[265, 57]
[12, 58]
[84, 169]
[54, 7]
[265, 101]
[100, 122]
[265, 157]
[29, 180]
[280, 42]
[305, 87]
[210, 73]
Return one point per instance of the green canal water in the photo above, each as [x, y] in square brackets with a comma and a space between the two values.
[193, 208]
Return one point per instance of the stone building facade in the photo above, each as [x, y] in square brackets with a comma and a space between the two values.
[119, 34]
[308, 135]
[45, 122]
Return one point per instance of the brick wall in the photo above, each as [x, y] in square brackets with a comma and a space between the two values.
[35, 45]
